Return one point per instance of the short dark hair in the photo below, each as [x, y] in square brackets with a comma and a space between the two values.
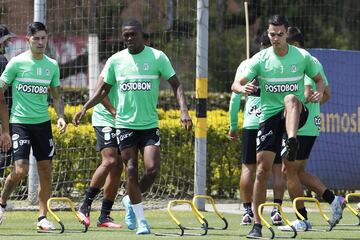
[35, 27]
[295, 35]
[278, 20]
[264, 40]
[132, 22]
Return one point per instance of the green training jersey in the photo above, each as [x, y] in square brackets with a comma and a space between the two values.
[279, 76]
[101, 117]
[30, 79]
[252, 106]
[137, 77]
[313, 123]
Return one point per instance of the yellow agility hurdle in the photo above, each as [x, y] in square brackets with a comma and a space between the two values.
[260, 210]
[212, 202]
[352, 210]
[71, 205]
[317, 203]
[182, 228]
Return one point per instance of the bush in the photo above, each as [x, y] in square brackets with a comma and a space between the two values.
[76, 157]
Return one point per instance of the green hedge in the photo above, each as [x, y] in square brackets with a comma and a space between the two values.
[76, 157]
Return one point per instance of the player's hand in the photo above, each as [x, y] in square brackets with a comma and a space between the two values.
[61, 124]
[185, 120]
[233, 135]
[5, 141]
[315, 97]
[249, 88]
[78, 116]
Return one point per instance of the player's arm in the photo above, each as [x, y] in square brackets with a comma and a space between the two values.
[185, 119]
[234, 107]
[101, 92]
[106, 101]
[5, 139]
[326, 97]
[59, 107]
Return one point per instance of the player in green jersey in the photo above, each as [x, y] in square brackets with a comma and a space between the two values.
[108, 173]
[280, 70]
[295, 170]
[31, 75]
[252, 112]
[136, 72]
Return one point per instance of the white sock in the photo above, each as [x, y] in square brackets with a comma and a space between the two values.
[139, 211]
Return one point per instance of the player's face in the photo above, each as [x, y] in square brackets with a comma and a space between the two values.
[38, 42]
[133, 39]
[277, 35]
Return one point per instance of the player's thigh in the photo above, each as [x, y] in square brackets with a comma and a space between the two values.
[42, 141]
[150, 142]
[248, 149]
[105, 137]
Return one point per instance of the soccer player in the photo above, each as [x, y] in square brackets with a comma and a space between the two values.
[31, 75]
[280, 71]
[109, 172]
[252, 113]
[136, 71]
[5, 156]
[295, 170]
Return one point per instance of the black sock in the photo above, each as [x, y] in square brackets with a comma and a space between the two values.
[328, 196]
[247, 205]
[278, 201]
[3, 205]
[41, 218]
[106, 208]
[258, 225]
[303, 212]
[91, 193]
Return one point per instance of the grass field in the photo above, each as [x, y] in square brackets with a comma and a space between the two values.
[21, 225]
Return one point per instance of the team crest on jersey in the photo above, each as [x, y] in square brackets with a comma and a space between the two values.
[146, 66]
[47, 72]
[293, 68]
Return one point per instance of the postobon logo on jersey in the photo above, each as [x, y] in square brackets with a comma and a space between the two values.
[282, 88]
[31, 89]
[135, 86]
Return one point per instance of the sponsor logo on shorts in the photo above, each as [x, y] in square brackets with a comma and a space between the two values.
[125, 135]
[106, 129]
[135, 86]
[282, 88]
[31, 89]
[15, 137]
[263, 137]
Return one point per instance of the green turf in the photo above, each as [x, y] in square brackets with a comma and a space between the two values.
[21, 225]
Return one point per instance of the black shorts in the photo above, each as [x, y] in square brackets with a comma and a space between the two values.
[272, 131]
[38, 136]
[249, 147]
[138, 138]
[305, 145]
[105, 137]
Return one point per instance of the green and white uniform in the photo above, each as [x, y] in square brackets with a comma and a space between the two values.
[313, 124]
[279, 76]
[30, 125]
[30, 79]
[137, 77]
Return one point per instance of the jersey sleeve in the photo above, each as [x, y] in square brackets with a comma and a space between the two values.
[9, 74]
[108, 72]
[234, 107]
[55, 81]
[251, 70]
[309, 81]
[166, 69]
[311, 68]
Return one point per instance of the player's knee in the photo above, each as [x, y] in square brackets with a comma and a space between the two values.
[291, 100]
[21, 172]
[109, 163]
[132, 173]
[263, 174]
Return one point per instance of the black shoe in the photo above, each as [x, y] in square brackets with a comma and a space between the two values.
[255, 232]
[292, 146]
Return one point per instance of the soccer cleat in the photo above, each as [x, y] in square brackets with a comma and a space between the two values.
[107, 222]
[337, 207]
[2, 214]
[130, 219]
[299, 225]
[358, 207]
[292, 146]
[45, 225]
[255, 232]
[84, 216]
[143, 228]
[276, 217]
[247, 219]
